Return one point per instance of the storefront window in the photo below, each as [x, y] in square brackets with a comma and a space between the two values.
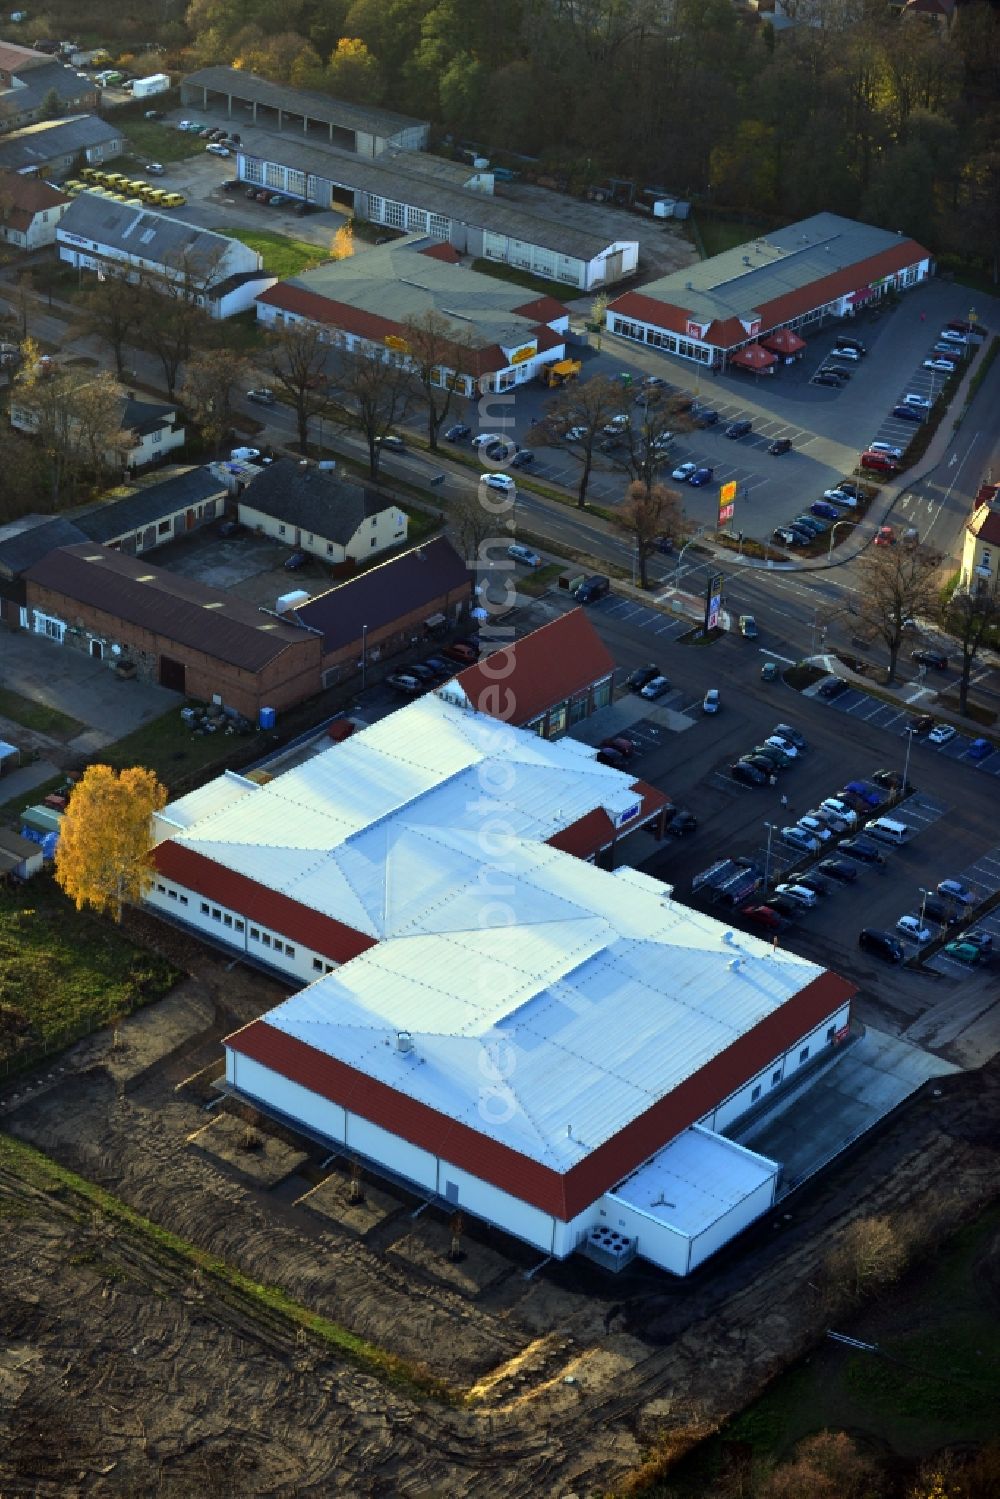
[602, 694]
[557, 720]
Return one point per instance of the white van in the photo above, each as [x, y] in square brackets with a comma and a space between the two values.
[888, 830]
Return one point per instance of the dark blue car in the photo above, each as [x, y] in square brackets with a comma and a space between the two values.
[979, 749]
[700, 476]
[828, 512]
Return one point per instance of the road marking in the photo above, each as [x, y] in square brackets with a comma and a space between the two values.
[788, 660]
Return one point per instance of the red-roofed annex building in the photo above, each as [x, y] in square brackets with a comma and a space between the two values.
[823, 267]
[503, 336]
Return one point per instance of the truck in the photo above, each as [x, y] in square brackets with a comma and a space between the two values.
[554, 375]
[156, 83]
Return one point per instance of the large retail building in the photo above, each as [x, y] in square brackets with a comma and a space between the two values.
[826, 266]
[555, 1048]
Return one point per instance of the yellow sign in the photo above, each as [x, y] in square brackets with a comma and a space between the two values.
[394, 342]
[727, 493]
[520, 355]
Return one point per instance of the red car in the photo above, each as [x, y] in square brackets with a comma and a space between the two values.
[461, 651]
[763, 916]
[886, 537]
[264, 196]
[620, 744]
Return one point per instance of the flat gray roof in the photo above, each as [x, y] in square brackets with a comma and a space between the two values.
[40, 143]
[428, 182]
[752, 275]
[307, 102]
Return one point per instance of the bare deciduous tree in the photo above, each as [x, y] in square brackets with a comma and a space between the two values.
[896, 583]
[641, 445]
[75, 417]
[583, 408]
[210, 381]
[972, 616]
[869, 1255]
[649, 512]
[297, 361]
[438, 351]
[374, 391]
[111, 310]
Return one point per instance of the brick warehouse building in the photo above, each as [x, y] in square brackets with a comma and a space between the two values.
[825, 266]
[181, 634]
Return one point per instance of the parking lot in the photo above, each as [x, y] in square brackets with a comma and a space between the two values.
[857, 704]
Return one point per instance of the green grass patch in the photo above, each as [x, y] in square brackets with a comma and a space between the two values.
[37, 716]
[152, 141]
[228, 1281]
[283, 256]
[167, 746]
[538, 284]
[64, 971]
[10, 811]
[541, 579]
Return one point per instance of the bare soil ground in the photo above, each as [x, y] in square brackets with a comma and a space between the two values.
[120, 1374]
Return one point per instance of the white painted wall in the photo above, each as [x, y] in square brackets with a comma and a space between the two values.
[730, 1224]
[777, 1072]
[280, 1093]
[657, 1242]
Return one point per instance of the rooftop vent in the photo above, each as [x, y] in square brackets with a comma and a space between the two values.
[746, 260]
[728, 937]
[734, 965]
[404, 1041]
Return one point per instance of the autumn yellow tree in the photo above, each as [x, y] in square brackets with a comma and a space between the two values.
[342, 244]
[103, 850]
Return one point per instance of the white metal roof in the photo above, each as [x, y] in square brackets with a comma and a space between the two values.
[390, 824]
[589, 995]
[212, 797]
[694, 1180]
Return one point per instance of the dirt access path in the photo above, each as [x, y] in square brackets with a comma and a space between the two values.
[122, 1374]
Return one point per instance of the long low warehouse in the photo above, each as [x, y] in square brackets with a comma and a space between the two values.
[555, 1048]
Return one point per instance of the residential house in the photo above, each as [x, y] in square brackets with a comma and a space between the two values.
[97, 232]
[149, 429]
[317, 511]
[55, 148]
[32, 83]
[981, 544]
[29, 211]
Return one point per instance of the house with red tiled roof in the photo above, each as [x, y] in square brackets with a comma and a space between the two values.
[981, 548]
[29, 211]
[822, 268]
[546, 681]
[502, 337]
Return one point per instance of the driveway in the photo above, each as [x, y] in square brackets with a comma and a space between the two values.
[86, 690]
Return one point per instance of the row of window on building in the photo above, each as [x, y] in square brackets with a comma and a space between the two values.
[270, 940]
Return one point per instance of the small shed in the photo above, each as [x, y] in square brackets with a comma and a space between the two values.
[20, 858]
[10, 757]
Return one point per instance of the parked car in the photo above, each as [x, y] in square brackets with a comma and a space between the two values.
[710, 702]
[775, 758]
[800, 894]
[424, 674]
[846, 351]
[871, 795]
[764, 916]
[748, 775]
[907, 413]
[840, 809]
[701, 476]
[296, 561]
[964, 952]
[927, 657]
[486, 439]
[231, 185]
[215, 149]
[787, 538]
[620, 743]
[955, 890]
[885, 537]
[748, 627]
[825, 509]
[523, 554]
[885, 447]
[263, 395]
[392, 441]
[523, 458]
[910, 927]
[933, 909]
[814, 826]
[785, 731]
[979, 749]
[706, 417]
[405, 682]
[462, 651]
[263, 195]
[778, 742]
[840, 497]
[683, 472]
[832, 688]
[769, 671]
[810, 525]
[941, 734]
[152, 114]
[882, 944]
[739, 429]
[892, 780]
[682, 823]
[457, 432]
[637, 679]
[825, 377]
[919, 725]
[780, 445]
[797, 837]
[278, 200]
[951, 335]
[812, 881]
[655, 687]
[982, 940]
[863, 849]
[942, 365]
[839, 869]
[573, 434]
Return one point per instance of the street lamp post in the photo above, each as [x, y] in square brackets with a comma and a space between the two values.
[923, 903]
[680, 555]
[833, 532]
[364, 657]
[767, 857]
[906, 763]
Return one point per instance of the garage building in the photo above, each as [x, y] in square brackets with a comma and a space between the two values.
[52, 147]
[554, 1048]
[363, 129]
[446, 200]
[822, 267]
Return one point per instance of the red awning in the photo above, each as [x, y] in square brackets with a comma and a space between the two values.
[754, 357]
[784, 341]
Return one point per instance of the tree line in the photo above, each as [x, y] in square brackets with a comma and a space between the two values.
[888, 118]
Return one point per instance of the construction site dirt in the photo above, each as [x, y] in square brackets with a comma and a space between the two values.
[123, 1370]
